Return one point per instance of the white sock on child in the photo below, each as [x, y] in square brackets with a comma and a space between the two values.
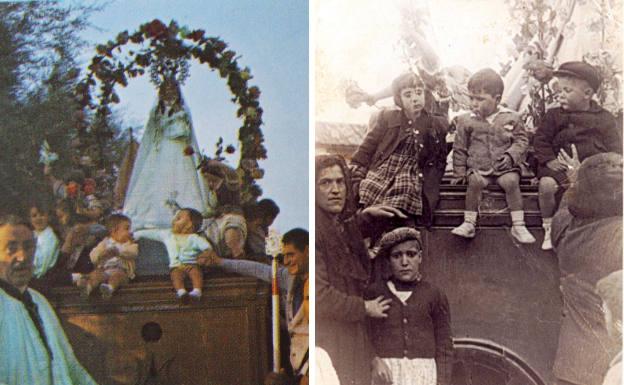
[467, 229]
[106, 290]
[547, 225]
[181, 293]
[196, 293]
[75, 277]
[518, 228]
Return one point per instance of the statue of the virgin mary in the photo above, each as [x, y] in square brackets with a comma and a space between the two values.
[165, 169]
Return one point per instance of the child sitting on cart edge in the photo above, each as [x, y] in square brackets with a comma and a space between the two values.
[489, 145]
[402, 159]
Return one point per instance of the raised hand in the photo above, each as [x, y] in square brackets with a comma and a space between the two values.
[571, 162]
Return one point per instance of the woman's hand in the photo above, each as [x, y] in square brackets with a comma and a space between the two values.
[209, 258]
[458, 180]
[377, 308]
[381, 372]
[375, 212]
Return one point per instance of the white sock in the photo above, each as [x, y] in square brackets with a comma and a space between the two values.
[196, 292]
[181, 292]
[517, 218]
[470, 217]
[75, 277]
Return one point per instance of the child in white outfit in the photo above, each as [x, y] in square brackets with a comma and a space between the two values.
[186, 249]
[48, 245]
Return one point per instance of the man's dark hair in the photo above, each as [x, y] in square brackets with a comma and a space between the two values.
[297, 237]
[115, 220]
[265, 208]
[196, 218]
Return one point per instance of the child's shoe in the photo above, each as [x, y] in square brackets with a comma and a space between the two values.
[195, 294]
[106, 290]
[181, 294]
[518, 228]
[467, 229]
[76, 277]
[546, 224]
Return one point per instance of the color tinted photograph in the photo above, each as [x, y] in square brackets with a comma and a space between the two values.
[154, 215]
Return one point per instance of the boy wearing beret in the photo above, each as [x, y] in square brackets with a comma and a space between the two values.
[578, 122]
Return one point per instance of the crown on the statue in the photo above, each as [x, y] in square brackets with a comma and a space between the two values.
[168, 70]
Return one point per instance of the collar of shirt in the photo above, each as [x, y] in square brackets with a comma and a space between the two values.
[31, 308]
[490, 119]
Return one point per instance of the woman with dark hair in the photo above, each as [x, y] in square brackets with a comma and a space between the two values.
[413, 343]
[342, 273]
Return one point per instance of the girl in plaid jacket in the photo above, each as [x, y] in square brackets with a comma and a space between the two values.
[402, 159]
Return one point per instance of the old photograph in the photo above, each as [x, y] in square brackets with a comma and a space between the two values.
[154, 211]
[468, 192]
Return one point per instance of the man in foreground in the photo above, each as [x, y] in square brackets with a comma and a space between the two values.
[33, 345]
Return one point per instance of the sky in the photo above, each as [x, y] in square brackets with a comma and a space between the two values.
[357, 40]
[272, 39]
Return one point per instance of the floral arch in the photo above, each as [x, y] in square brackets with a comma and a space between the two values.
[131, 54]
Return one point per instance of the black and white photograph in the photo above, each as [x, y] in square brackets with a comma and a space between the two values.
[468, 192]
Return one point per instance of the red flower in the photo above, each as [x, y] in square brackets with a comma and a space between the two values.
[156, 29]
[219, 45]
[188, 151]
[196, 35]
[254, 92]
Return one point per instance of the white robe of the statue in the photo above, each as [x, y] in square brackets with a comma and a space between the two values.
[23, 356]
[163, 172]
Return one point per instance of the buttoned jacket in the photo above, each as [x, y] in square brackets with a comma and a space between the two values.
[388, 129]
[420, 328]
[592, 132]
[480, 143]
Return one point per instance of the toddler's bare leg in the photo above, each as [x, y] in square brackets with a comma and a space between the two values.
[177, 278]
[476, 184]
[510, 182]
[548, 187]
[196, 277]
[96, 277]
[118, 279]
